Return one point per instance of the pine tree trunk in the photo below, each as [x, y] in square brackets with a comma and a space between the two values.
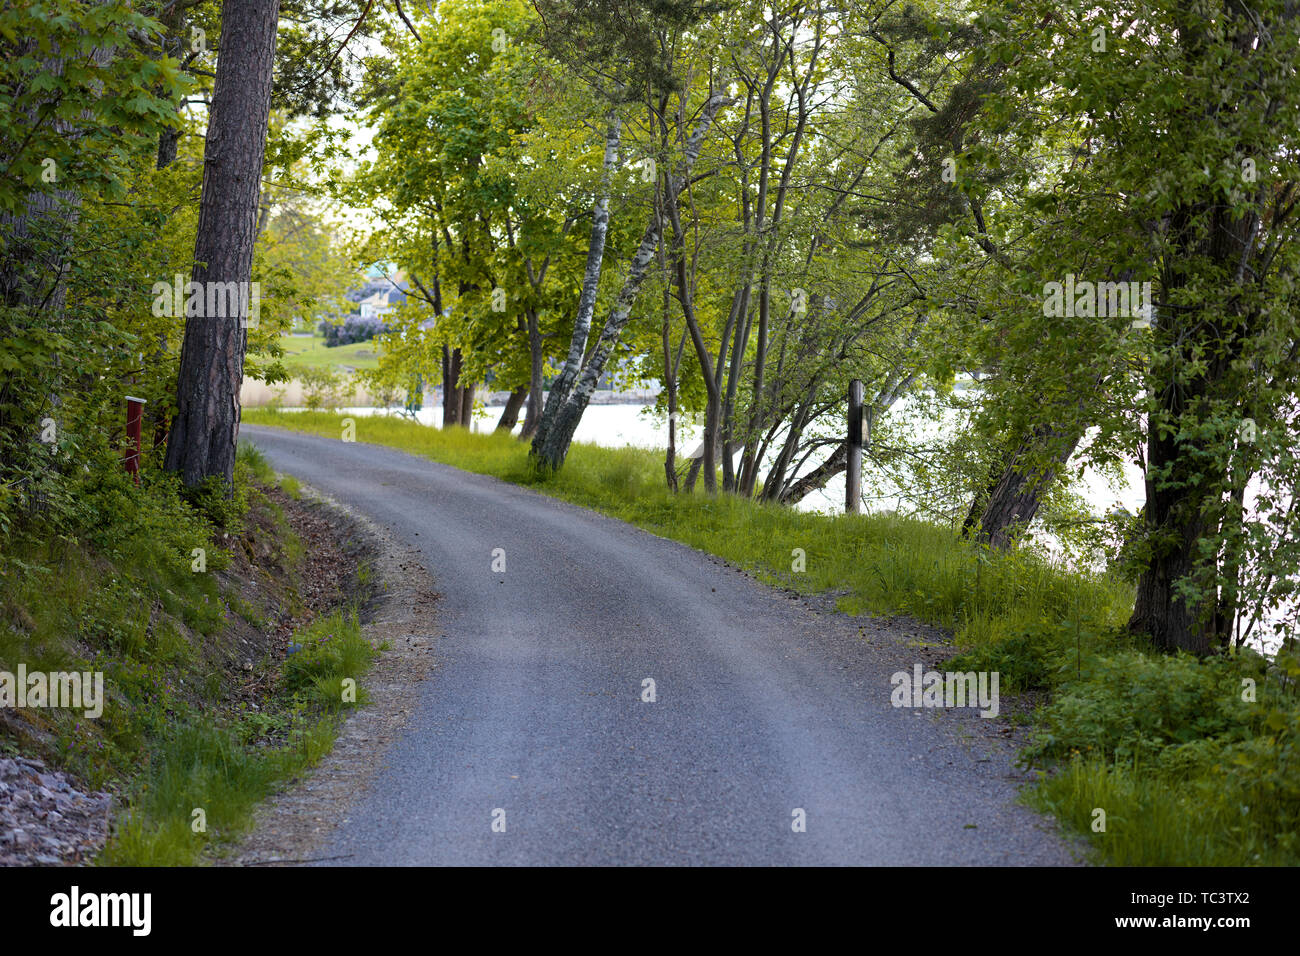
[206, 427]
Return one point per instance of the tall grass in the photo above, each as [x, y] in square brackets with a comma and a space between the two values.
[117, 593]
[204, 779]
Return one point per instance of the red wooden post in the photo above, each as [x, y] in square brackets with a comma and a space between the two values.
[134, 411]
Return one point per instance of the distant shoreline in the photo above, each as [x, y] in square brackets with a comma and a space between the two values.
[257, 394]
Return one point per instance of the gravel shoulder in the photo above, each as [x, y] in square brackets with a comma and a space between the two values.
[291, 827]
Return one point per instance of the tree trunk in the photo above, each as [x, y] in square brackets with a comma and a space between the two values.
[37, 242]
[451, 393]
[466, 406]
[564, 382]
[1188, 468]
[775, 481]
[713, 399]
[740, 333]
[670, 386]
[168, 142]
[510, 414]
[533, 416]
[671, 366]
[206, 427]
[1014, 498]
[1183, 486]
[173, 42]
[975, 512]
[1174, 530]
[816, 479]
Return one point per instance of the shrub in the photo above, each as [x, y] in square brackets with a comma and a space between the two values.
[354, 328]
[1133, 705]
[322, 387]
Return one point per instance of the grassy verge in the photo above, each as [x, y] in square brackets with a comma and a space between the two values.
[1190, 762]
[302, 352]
[880, 563]
[205, 778]
[202, 711]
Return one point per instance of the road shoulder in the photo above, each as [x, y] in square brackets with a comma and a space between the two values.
[290, 827]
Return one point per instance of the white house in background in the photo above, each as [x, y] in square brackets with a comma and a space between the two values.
[378, 297]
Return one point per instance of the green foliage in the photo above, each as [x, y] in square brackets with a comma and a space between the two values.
[1134, 706]
[332, 650]
[1115, 177]
[1227, 800]
[322, 387]
[252, 458]
[919, 172]
[1195, 761]
[117, 591]
[220, 504]
[464, 178]
[81, 95]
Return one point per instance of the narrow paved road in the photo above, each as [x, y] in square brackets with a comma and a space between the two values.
[535, 709]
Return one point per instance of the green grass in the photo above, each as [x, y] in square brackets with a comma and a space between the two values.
[261, 469]
[1192, 761]
[1215, 817]
[209, 770]
[303, 352]
[1187, 771]
[223, 770]
[118, 597]
[117, 592]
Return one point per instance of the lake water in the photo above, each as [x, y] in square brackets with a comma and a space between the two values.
[615, 426]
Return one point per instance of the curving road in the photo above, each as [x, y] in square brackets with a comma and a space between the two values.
[763, 706]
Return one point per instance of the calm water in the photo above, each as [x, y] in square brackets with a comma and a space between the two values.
[614, 426]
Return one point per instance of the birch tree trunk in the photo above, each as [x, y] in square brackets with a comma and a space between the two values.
[552, 445]
[551, 448]
[563, 384]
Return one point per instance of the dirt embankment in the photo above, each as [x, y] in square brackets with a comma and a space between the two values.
[291, 827]
[284, 570]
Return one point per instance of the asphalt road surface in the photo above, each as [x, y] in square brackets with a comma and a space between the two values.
[531, 742]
